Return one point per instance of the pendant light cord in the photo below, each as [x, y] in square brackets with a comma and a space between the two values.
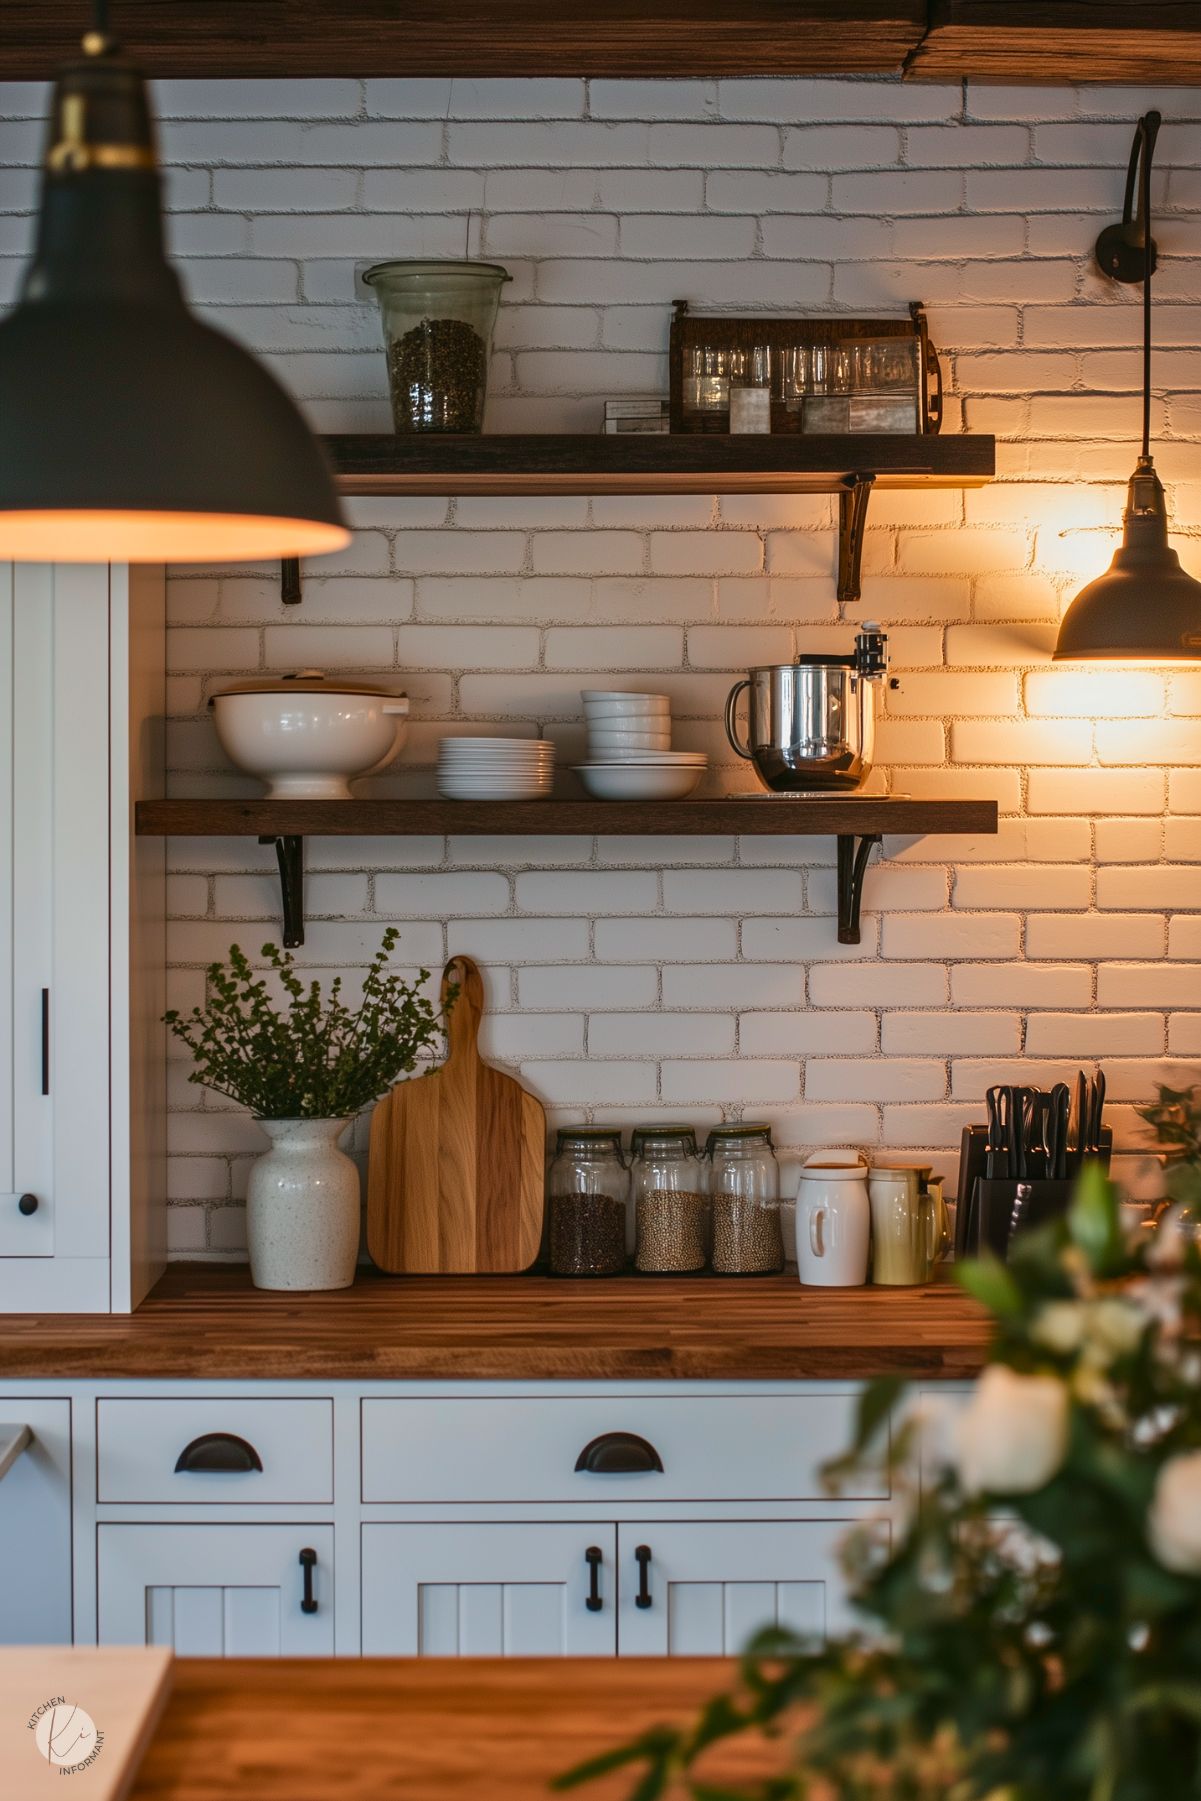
[1145, 144]
[100, 17]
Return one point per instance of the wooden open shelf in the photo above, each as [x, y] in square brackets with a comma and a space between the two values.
[655, 463]
[806, 815]
[856, 822]
[943, 40]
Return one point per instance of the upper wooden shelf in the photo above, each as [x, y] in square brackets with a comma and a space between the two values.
[805, 815]
[935, 40]
[654, 463]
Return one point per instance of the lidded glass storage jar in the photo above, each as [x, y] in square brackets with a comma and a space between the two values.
[671, 1213]
[438, 320]
[586, 1205]
[744, 1195]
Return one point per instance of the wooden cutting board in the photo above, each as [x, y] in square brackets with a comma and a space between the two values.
[455, 1178]
[96, 1710]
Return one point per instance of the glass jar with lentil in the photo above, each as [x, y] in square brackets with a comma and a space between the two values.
[586, 1205]
[744, 1197]
[671, 1213]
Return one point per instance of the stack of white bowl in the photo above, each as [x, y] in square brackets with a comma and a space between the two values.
[629, 749]
[495, 768]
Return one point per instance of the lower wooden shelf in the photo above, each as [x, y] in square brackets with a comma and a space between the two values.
[856, 821]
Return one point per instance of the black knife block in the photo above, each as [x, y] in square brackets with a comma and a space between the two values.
[972, 1153]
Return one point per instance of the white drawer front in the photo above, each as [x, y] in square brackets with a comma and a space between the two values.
[140, 1442]
[712, 1448]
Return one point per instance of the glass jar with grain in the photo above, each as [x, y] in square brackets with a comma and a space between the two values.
[744, 1197]
[671, 1213]
[586, 1205]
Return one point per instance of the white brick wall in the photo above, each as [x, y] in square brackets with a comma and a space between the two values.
[703, 978]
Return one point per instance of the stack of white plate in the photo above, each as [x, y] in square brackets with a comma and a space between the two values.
[629, 749]
[495, 768]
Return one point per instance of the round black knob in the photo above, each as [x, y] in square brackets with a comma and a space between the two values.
[27, 1204]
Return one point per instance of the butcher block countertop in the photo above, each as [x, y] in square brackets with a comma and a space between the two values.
[391, 1729]
[206, 1320]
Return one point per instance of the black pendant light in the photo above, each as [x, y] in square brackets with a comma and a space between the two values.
[1145, 608]
[129, 431]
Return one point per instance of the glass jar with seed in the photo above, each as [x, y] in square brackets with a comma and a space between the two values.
[744, 1194]
[671, 1213]
[438, 320]
[586, 1205]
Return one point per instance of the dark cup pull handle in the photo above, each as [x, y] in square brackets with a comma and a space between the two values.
[308, 1563]
[618, 1454]
[593, 1557]
[642, 1557]
[221, 1451]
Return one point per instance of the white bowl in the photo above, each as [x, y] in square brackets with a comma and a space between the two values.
[679, 759]
[633, 702]
[616, 711]
[632, 781]
[307, 742]
[656, 735]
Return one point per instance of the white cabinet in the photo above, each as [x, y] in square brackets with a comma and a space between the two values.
[703, 1588]
[217, 1591]
[81, 909]
[489, 1590]
[35, 1523]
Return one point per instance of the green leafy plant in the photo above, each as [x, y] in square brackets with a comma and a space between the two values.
[308, 1059]
[1176, 1117]
[1033, 1630]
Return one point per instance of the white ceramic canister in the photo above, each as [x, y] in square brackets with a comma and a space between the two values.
[302, 1207]
[833, 1225]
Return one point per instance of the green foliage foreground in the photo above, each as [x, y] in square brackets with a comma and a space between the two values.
[1033, 1632]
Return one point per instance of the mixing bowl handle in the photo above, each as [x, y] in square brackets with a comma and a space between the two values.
[731, 731]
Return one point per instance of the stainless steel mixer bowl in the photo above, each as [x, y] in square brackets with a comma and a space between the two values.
[811, 724]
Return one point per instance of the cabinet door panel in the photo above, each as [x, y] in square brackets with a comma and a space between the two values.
[486, 1591]
[35, 1527]
[215, 1591]
[714, 1584]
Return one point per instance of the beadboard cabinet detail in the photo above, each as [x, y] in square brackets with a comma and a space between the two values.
[82, 951]
[260, 1519]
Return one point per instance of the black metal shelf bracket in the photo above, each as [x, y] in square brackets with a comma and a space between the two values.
[853, 855]
[289, 581]
[289, 852]
[853, 497]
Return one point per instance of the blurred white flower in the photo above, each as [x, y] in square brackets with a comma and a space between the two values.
[1013, 1435]
[1174, 1517]
[1167, 1247]
[1159, 1298]
[1060, 1326]
[1116, 1325]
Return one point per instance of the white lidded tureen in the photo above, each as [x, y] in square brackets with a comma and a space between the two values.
[306, 735]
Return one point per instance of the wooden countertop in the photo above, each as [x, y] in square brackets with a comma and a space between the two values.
[206, 1320]
[392, 1729]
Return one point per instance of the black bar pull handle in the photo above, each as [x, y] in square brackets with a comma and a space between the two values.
[308, 1563]
[594, 1557]
[45, 1041]
[642, 1557]
[221, 1451]
[618, 1454]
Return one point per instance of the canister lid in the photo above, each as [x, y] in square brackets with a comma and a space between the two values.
[303, 681]
[738, 1134]
[596, 1136]
[643, 1135]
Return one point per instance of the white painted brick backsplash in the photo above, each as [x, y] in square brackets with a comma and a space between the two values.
[632, 976]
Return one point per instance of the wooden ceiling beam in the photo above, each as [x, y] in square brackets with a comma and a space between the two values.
[1053, 41]
[267, 38]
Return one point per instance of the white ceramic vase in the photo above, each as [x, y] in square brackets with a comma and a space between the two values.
[302, 1207]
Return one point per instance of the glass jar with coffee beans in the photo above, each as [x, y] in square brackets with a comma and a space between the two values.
[671, 1212]
[586, 1204]
[744, 1196]
[438, 319]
